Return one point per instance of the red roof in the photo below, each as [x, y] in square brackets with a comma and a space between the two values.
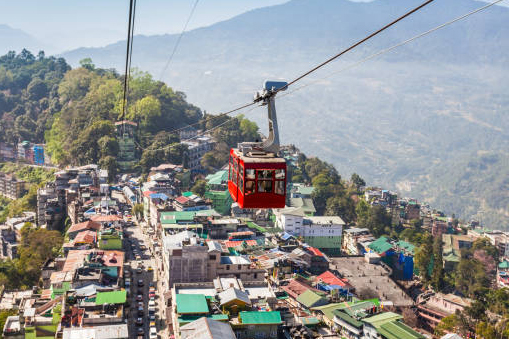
[330, 279]
[239, 242]
[148, 193]
[315, 251]
[296, 288]
[182, 200]
[87, 225]
[87, 237]
[106, 218]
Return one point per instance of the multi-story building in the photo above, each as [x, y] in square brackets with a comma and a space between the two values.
[433, 307]
[324, 233]
[195, 151]
[11, 187]
[51, 207]
[355, 240]
[186, 258]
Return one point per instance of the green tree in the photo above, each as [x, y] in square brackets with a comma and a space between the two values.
[199, 187]
[108, 145]
[423, 255]
[138, 210]
[437, 276]
[110, 164]
[357, 181]
[378, 221]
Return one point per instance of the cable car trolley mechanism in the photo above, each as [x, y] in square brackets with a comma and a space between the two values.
[257, 175]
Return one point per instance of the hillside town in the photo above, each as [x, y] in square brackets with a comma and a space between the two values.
[150, 258]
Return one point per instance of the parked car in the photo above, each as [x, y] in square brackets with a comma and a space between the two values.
[139, 297]
[141, 331]
[140, 283]
[140, 312]
[139, 321]
[151, 303]
[150, 269]
[153, 332]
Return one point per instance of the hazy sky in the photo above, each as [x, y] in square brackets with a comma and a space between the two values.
[68, 24]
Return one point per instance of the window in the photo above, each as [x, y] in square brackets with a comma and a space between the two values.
[241, 183]
[280, 187]
[250, 173]
[227, 267]
[250, 186]
[212, 257]
[239, 267]
[280, 174]
[264, 186]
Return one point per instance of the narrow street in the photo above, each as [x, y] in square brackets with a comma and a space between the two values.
[144, 269]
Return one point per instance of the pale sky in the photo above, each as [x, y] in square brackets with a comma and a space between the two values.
[69, 24]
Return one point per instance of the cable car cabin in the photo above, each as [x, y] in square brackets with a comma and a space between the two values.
[257, 181]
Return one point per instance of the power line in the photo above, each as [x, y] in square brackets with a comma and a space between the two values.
[177, 43]
[358, 43]
[386, 50]
[196, 136]
[308, 72]
[132, 4]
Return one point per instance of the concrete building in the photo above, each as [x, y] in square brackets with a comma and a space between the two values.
[433, 307]
[8, 242]
[11, 187]
[324, 233]
[355, 240]
[186, 258]
[51, 207]
[196, 149]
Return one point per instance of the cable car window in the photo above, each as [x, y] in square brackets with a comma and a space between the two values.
[241, 170]
[250, 186]
[235, 166]
[241, 184]
[265, 174]
[280, 174]
[264, 186]
[280, 187]
[250, 173]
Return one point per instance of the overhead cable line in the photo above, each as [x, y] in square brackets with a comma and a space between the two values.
[392, 23]
[389, 49]
[196, 136]
[310, 71]
[213, 117]
[177, 43]
[129, 46]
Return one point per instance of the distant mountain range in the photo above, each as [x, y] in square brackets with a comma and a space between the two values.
[12, 39]
[410, 119]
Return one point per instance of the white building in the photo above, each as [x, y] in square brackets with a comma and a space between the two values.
[324, 233]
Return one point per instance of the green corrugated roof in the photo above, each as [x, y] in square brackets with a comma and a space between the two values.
[260, 318]
[252, 225]
[382, 318]
[310, 299]
[406, 246]
[504, 264]
[217, 178]
[309, 321]
[328, 310]
[177, 216]
[186, 318]
[352, 321]
[305, 190]
[398, 330]
[187, 194]
[380, 245]
[191, 304]
[113, 297]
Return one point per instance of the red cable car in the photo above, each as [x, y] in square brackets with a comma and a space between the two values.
[257, 176]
